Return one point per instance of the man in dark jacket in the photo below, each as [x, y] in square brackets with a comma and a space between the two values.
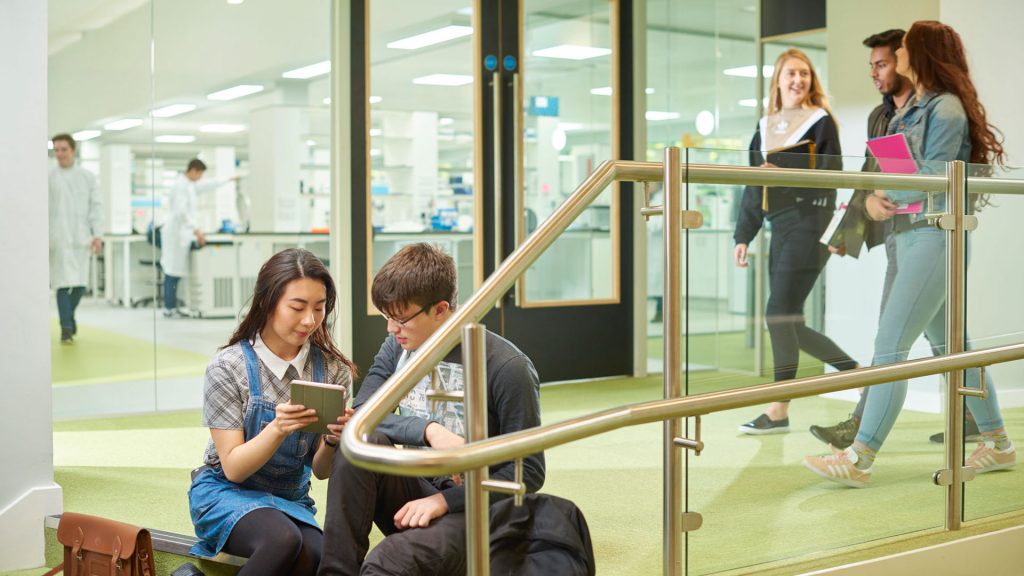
[422, 518]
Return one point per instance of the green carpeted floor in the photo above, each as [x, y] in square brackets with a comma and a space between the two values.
[100, 356]
[760, 505]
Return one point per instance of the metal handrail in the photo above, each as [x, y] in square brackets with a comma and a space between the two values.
[415, 463]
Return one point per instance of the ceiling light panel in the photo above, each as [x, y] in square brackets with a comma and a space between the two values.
[749, 71]
[656, 116]
[572, 52]
[235, 92]
[443, 80]
[83, 135]
[173, 110]
[123, 124]
[175, 139]
[311, 71]
[430, 38]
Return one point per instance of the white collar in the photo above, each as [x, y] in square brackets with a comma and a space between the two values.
[278, 366]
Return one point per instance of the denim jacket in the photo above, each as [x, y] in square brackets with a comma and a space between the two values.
[936, 129]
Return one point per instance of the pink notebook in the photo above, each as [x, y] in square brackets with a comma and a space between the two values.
[894, 157]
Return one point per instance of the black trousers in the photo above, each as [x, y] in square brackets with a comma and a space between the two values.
[796, 260]
[358, 498]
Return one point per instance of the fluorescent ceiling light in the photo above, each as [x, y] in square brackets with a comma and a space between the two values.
[749, 71]
[569, 126]
[311, 71]
[467, 11]
[235, 1]
[83, 135]
[327, 101]
[443, 80]
[572, 52]
[235, 92]
[175, 139]
[375, 99]
[607, 91]
[173, 110]
[376, 131]
[123, 124]
[310, 142]
[432, 37]
[222, 128]
[654, 115]
[445, 121]
[751, 102]
[705, 122]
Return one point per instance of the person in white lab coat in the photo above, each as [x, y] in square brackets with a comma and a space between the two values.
[76, 223]
[182, 229]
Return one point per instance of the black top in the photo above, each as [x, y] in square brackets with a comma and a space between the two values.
[825, 136]
[878, 125]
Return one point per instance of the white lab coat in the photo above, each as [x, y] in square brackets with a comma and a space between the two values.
[76, 217]
[182, 220]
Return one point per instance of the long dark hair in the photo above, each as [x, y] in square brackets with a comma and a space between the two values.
[936, 55]
[275, 274]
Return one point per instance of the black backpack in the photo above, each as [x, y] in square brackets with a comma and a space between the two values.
[546, 535]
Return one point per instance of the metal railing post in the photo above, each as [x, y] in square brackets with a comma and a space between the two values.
[474, 362]
[673, 329]
[955, 267]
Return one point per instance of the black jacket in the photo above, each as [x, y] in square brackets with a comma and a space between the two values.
[878, 125]
[825, 136]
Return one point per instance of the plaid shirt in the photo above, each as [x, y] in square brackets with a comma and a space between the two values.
[226, 390]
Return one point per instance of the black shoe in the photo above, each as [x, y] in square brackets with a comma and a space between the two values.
[971, 433]
[765, 425]
[841, 435]
[65, 336]
[74, 328]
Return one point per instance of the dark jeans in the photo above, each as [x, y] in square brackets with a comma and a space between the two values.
[797, 258]
[67, 301]
[358, 498]
[171, 291]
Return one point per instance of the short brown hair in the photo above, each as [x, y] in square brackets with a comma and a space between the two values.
[418, 275]
[65, 137]
[196, 164]
[892, 39]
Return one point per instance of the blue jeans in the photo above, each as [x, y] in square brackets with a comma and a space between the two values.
[916, 305]
[171, 291]
[67, 300]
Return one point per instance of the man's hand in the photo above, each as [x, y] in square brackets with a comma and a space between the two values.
[200, 238]
[419, 513]
[879, 207]
[438, 436]
[840, 250]
[97, 245]
[739, 255]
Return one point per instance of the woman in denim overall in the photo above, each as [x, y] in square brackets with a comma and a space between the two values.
[942, 121]
[251, 498]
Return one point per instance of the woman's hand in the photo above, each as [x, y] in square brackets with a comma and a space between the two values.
[739, 255]
[336, 429]
[290, 417]
[879, 207]
[840, 250]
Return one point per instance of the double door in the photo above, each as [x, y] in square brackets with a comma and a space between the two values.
[479, 122]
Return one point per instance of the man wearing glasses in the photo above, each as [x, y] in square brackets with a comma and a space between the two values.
[422, 518]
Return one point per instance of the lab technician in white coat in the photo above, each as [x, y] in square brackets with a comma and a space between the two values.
[182, 228]
[76, 224]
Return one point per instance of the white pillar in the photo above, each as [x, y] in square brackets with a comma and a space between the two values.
[27, 490]
[115, 182]
[274, 158]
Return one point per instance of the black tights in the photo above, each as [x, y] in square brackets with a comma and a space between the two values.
[275, 544]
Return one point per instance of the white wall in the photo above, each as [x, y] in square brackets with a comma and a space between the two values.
[27, 491]
[854, 286]
[995, 278]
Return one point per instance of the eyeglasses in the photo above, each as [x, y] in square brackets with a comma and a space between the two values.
[402, 323]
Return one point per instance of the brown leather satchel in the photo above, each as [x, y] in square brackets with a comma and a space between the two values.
[96, 546]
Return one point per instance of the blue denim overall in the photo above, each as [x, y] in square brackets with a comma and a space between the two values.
[217, 503]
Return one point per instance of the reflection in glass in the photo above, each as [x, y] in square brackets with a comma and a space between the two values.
[421, 132]
[567, 129]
